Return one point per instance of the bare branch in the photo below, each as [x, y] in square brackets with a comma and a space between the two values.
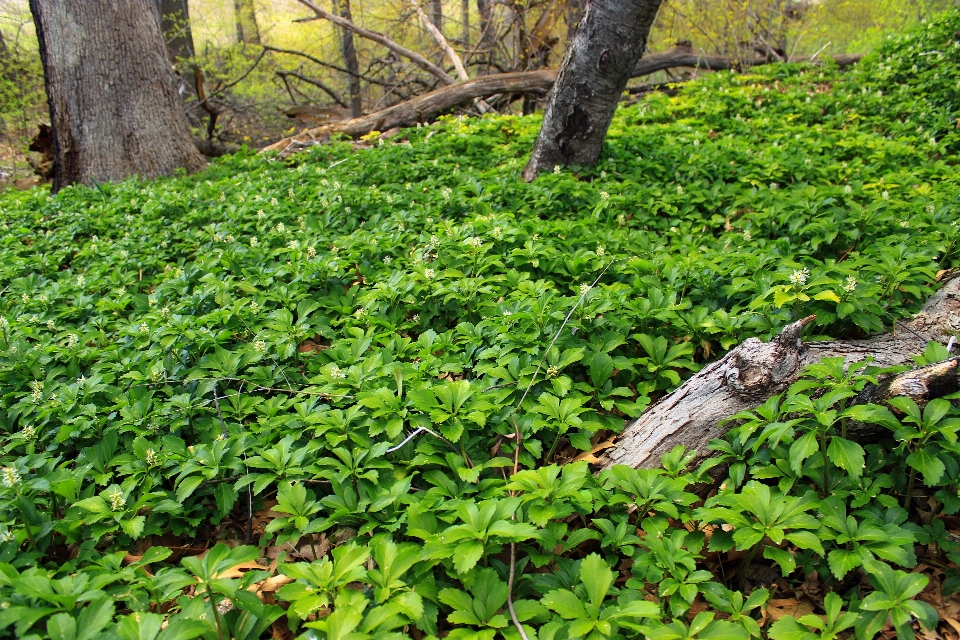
[397, 48]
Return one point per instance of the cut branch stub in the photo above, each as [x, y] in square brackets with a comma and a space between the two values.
[754, 371]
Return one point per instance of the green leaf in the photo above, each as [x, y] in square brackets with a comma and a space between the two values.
[565, 604]
[597, 579]
[466, 555]
[928, 464]
[783, 558]
[847, 455]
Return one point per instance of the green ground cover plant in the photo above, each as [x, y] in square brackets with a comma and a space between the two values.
[360, 379]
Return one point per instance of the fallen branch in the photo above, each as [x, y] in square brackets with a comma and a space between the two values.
[428, 106]
[754, 371]
[394, 46]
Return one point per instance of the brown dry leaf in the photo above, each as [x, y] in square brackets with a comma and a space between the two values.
[237, 571]
[590, 456]
[789, 607]
[953, 623]
[270, 585]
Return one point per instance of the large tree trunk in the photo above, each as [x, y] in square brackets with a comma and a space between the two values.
[113, 107]
[245, 15]
[350, 60]
[754, 371]
[175, 25]
[609, 40]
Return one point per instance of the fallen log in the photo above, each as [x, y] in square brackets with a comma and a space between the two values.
[754, 371]
[426, 107]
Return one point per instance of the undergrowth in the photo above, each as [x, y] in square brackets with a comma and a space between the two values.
[369, 382]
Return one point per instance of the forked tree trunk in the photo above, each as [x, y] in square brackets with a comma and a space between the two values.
[245, 15]
[114, 109]
[754, 371]
[610, 38]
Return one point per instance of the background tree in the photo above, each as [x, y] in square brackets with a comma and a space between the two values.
[608, 42]
[350, 60]
[114, 110]
[245, 15]
[175, 25]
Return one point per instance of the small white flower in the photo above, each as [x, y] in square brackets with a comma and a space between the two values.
[36, 388]
[151, 458]
[621, 220]
[293, 245]
[604, 196]
[72, 340]
[359, 313]
[930, 209]
[848, 189]
[552, 372]
[584, 287]
[601, 250]
[281, 228]
[799, 277]
[885, 195]
[117, 501]
[254, 307]
[28, 432]
[679, 190]
[51, 326]
[774, 186]
[428, 273]
[446, 192]
[311, 252]
[556, 168]
[273, 201]
[336, 373]
[747, 236]
[850, 285]
[475, 242]
[507, 313]
[9, 477]
[497, 232]
[260, 346]
[143, 328]
[6, 536]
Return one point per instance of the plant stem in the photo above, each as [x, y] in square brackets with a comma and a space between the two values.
[909, 494]
[216, 613]
[553, 448]
[826, 464]
[745, 565]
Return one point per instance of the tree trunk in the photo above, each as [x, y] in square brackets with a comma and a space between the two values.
[754, 371]
[487, 33]
[175, 25]
[609, 40]
[245, 15]
[350, 60]
[113, 107]
[438, 14]
[465, 22]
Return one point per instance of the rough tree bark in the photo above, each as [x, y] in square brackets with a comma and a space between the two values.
[438, 14]
[610, 38]
[350, 60]
[426, 107]
[487, 33]
[175, 25]
[245, 15]
[114, 109]
[754, 371]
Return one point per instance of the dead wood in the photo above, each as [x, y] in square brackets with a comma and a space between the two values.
[426, 107]
[754, 371]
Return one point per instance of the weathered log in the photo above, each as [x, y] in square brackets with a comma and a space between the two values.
[754, 371]
[426, 107]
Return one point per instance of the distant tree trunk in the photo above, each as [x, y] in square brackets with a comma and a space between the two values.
[465, 20]
[487, 32]
[609, 40]
[438, 14]
[175, 25]
[350, 60]
[114, 110]
[245, 15]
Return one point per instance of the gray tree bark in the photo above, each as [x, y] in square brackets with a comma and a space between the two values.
[245, 15]
[350, 60]
[754, 371]
[465, 22]
[609, 40]
[114, 110]
[487, 33]
[175, 25]
[438, 14]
